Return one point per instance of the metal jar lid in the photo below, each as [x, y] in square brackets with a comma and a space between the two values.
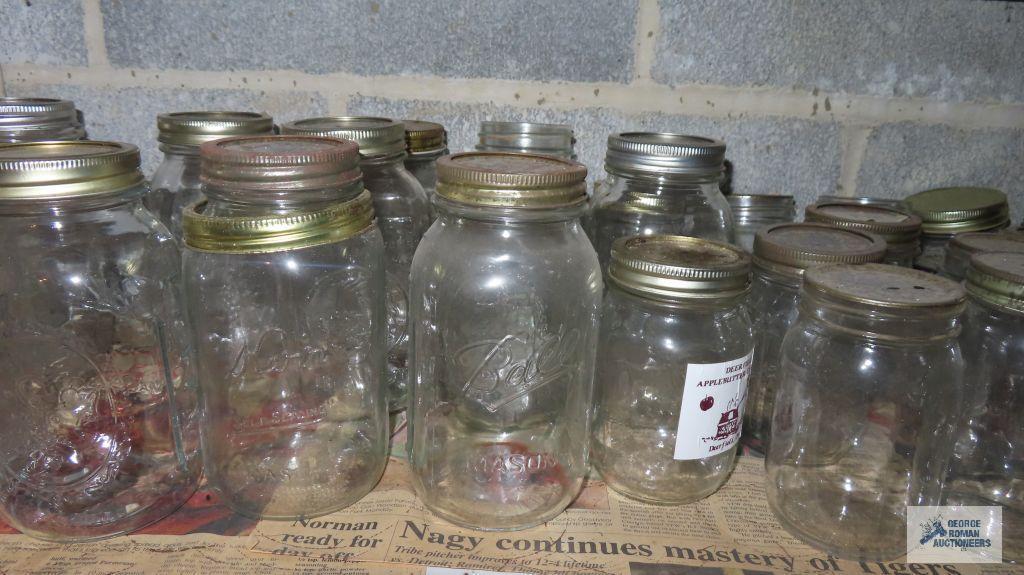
[377, 137]
[896, 227]
[948, 211]
[664, 154]
[527, 137]
[678, 268]
[864, 201]
[38, 119]
[196, 128]
[754, 202]
[40, 171]
[878, 290]
[791, 248]
[998, 278]
[509, 180]
[424, 137]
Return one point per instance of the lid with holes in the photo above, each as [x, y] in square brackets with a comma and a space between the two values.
[38, 120]
[998, 278]
[870, 288]
[792, 248]
[195, 128]
[677, 268]
[947, 211]
[377, 137]
[509, 180]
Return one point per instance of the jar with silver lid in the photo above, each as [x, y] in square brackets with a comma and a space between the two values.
[425, 142]
[946, 212]
[527, 137]
[506, 292]
[175, 184]
[864, 201]
[870, 384]
[900, 230]
[403, 214]
[99, 411]
[782, 253]
[284, 275]
[39, 120]
[751, 213]
[963, 246]
[674, 356]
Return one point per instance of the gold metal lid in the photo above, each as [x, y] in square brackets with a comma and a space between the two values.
[946, 211]
[983, 242]
[248, 235]
[509, 180]
[424, 137]
[377, 137]
[196, 128]
[792, 248]
[664, 154]
[998, 278]
[38, 119]
[62, 170]
[880, 288]
[894, 226]
[678, 268]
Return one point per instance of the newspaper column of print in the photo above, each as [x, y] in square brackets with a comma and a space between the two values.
[712, 408]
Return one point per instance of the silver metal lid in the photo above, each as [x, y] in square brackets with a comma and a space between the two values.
[664, 154]
[38, 119]
[527, 137]
[791, 248]
[896, 227]
[377, 137]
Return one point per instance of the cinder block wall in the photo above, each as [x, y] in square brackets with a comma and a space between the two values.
[853, 97]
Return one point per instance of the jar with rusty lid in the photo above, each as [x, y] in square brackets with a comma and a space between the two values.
[752, 212]
[900, 230]
[425, 142]
[782, 253]
[505, 298]
[39, 120]
[100, 410]
[284, 274]
[946, 212]
[674, 356]
[528, 137]
[963, 246]
[869, 389]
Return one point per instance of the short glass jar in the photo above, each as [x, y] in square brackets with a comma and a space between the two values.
[946, 212]
[425, 142]
[660, 184]
[870, 384]
[963, 246]
[100, 416]
[506, 292]
[285, 280]
[528, 137]
[403, 214]
[175, 184]
[900, 230]
[864, 201]
[751, 213]
[673, 360]
[39, 120]
[782, 253]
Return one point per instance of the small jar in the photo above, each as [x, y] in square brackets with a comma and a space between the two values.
[946, 212]
[403, 214]
[425, 142]
[99, 416]
[506, 292]
[660, 184]
[864, 201]
[39, 120]
[751, 213]
[900, 230]
[175, 184]
[781, 255]
[285, 281]
[870, 383]
[529, 138]
[988, 453]
[963, 246]
[673, 360]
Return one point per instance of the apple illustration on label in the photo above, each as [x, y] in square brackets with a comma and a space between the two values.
[707, 403]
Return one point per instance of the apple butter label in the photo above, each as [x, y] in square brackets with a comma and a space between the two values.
[711, 414]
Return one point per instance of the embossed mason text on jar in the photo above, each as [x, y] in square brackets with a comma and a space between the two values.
[752, 213]
[39, 120]
[900, 230]
[946, 212]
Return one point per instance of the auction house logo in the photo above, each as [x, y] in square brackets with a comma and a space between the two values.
[955, 534]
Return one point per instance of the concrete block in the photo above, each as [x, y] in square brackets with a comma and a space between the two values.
[46, 32]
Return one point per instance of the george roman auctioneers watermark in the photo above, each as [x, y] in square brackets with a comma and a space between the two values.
[955, 534]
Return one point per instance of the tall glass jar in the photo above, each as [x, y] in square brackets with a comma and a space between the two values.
[425, 142]
[98, 407]
[963, 246]
[39, 120]
[751, 213]
[946, 212]
[506, 292]
[988, 453]
[285, 280]
[660, 184]
[870, 384]
[403, 214]
[900, 230]
[528, 137]
[175, 184]
[781, 255]
[673, 361]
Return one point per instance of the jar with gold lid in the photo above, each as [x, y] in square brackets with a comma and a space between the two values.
[285, 280]
[555, 140]
[39, 120]
[100, 416]
[946, 212]
[900, 230]
[674, 356]
[963, 246]
[425, 142]
[753, 212]
[505, 298]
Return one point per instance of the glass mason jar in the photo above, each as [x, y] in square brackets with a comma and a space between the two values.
[403, 214]
[425, 142]
[988, 454]
[946, 212]
[870, 384]
[782, 253]
[660, 184]
[528, 137]
[506, 291]
[39, 120]
[673, 361]
[285, 283]
[963, 246]
[900, 230]
[175, 184]
[99, 417]
[751, 213]
[864, 201]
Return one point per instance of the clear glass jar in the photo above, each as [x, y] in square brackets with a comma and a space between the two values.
[900, 230]
[425, 142]
[751, 213]
[175, 184]
[870, 384]
[673, 360]
[660, 184]
[864, 201]
[39, 120]
[506, 291]
[403, 214]
[285, 284]
[99, 417]
[555, 140]
[946, 212]
[963, 246]
[781, 255]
